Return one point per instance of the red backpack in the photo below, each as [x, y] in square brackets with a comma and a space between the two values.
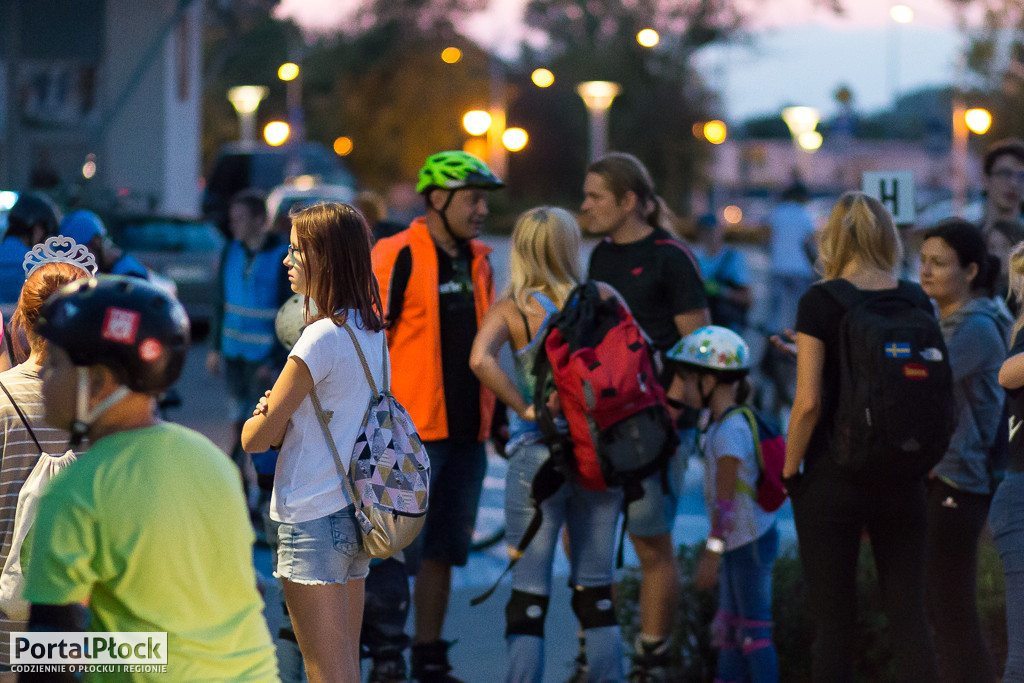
[770, 448]
[596, 358]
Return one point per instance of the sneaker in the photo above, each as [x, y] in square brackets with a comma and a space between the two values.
[430, 663]
[388, 671]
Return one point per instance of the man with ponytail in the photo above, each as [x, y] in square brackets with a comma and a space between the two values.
[661, 283]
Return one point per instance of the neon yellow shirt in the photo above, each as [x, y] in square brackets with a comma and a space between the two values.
[150, 527]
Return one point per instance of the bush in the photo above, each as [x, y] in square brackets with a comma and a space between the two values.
[694, 658]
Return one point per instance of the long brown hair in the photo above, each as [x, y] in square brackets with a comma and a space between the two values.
[335, 243]
[44, 281]
[625, 173]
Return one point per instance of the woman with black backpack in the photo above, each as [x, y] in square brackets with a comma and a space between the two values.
[544, 270]
[834, 502]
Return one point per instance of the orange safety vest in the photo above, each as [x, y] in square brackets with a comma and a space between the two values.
[414, 340]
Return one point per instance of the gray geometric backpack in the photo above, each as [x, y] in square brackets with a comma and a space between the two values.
[389, 474]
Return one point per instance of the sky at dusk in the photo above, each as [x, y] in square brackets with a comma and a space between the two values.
[800, 54]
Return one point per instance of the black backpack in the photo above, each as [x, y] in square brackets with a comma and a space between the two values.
[895, 413]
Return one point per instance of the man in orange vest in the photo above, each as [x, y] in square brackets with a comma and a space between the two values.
[436, 284]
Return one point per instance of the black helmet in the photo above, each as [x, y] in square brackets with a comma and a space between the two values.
[129, 325]
[33, 208]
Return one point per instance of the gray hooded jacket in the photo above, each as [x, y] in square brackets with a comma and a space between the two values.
[976, 337]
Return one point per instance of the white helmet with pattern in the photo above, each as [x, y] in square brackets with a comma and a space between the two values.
[713, 348]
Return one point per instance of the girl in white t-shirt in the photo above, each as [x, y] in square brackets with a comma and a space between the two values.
[713, 363]
[320, 556]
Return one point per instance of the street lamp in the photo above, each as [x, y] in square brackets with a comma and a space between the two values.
[978, 120]
[801, 122]
[542, 78]
[276, 133]
[648, 37]
[965, 122]
[598, 96]
[900, 14]
[246, 100]
[476, 122]
[514, 139]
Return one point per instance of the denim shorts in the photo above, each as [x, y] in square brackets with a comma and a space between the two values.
[654, 514]
[321, 551]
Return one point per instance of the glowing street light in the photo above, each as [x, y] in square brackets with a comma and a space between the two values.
[809, 140]
[978, 120]
[514, 139]
[288, 71]
[598, 96]
[450, 55]
[715, 132]
[648, 37]
[542, 78]
[476, 122]
[246, 100]
[343, 146]
[901, 14]
[276, 132]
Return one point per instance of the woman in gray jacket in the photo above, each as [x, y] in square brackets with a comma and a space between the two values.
[958, 273]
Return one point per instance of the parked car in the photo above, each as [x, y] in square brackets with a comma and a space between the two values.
[240, 166]
[183, 250]
[300, 193]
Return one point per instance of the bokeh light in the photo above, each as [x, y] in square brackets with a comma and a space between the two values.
[476, 122]
[450, 55]
[648, 37]
[715, 132]
[514, 139]
[732, 214]
[343, 146]
[542, 78]
[288, 71]
[809, 140]
[978, 120]
[901, 14]
[275, 133]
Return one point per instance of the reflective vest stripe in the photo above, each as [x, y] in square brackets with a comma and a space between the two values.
[249, 337]
[246, 312]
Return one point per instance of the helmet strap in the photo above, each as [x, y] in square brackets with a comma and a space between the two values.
[443, 213]
[84, 417]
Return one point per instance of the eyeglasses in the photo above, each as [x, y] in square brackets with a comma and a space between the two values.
[1007, 174]
[291, 253]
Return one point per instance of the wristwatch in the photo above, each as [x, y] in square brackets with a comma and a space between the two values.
[715, 545]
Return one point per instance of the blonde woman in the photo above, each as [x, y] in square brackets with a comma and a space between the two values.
[832, 510]
[545, 268]
[1006, 516]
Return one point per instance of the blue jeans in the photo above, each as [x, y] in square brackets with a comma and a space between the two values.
[1006, 518]
[321, 551]
[742, 628]
[654, 514]
[591, 518]
[457, 470]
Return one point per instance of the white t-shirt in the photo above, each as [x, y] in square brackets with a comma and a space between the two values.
[732, 437]
[307, 485]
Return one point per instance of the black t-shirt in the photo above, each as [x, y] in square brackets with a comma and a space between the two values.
[818, 314]
[458, 327]
[1015, 402]
[657, 277]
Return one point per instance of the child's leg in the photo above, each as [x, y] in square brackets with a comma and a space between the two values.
[749, 570]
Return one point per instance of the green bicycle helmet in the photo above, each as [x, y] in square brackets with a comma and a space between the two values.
[454, 170]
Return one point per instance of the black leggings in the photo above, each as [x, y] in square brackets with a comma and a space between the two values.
[832, 513]
[955, 521]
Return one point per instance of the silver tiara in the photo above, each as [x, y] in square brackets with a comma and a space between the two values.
[60, 249]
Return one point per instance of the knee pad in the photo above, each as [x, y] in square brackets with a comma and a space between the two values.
[593, 606]
[524, 614]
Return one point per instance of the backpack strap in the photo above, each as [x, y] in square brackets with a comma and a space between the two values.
[323, 418]
[24, 420]
[366, 367]
[747, 413]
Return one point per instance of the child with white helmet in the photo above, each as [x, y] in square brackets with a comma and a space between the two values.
[713, 363]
